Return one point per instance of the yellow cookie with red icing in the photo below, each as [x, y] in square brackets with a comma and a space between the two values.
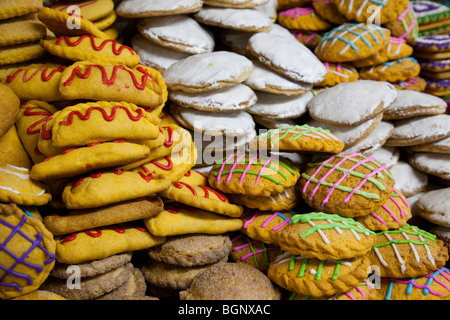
[36, 82]
[303, 18]
[187, 190]
[91, 122]
[88, 47]
[113, 82]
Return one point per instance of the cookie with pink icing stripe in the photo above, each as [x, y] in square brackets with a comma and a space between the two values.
[405, 26]
[350, 185]
[303, 18]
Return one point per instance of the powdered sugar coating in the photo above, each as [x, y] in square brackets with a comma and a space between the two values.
[178, 32]
[408, 179]
[351, 103]
[422, 129]
[432, 163]
[411, 98]
[387, 155]
[436, 203]
[374, 140]
[280, 106]
[287, 56]
[150, 8]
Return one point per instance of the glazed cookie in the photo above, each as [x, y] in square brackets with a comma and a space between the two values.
[276, 106]
[235, 3]
[328, 11]
[338, 73]
[298, 138]
[304, 18]
[419, 130]
[405, 26]
[103, 242]
[154, 8]
[408, 180]
[353, 102]
[21, 53]
[364, 291]
[63, 24]
[320, 235]
[286, 200]
[415, 83]
[235, 98]
[375, 140]
[36, 82]
[87, 47]
[113, 82]
[287, 57]
[231, 280]
[255, 253]
[179, 219]
[432, 163]
[440, 146]
[435, 66]
[251, 174]
[344, 181]
[433, 46]
[153, 55]
[439, 88]
[82, 219]
[392, 71]
[350, 42]
[14, 8]
[393, 214]
[9, 107]
[237, 123]
[249, 20]
[207, 71]
[313, 277]
[407, 252]
[261, 225]
[433, 206]
[308, 38]
[430, 11]
[350, 135]
[363, 11]
[27, 254]
[177, 32]
[433, 286]
[21, 30]
[410, 103]
[265, 79]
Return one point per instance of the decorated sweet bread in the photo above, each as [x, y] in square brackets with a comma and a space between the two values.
[141, 85]
[350, 185]
[406, 25]
[304, 18]
[286, 200]
[87, 47]
[392, 71]
[338, 73]
[27, 252]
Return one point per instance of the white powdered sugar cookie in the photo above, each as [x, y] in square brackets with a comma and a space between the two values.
[350, 135]
[352, 103]
[212, 145]
[177, 32]
[419, 130]
[266, 80]
[411, 103]
[237, 123]
[280, 106]
[154, 55]
[250, 20]
[270, 123]
[233, 98]
[155, 8]
[287, 56]
[208, 71]
[387, 155]
[436, 164]
[434, 206]
[440, 146]
[374, 141]
[408, 179]
[235, 3]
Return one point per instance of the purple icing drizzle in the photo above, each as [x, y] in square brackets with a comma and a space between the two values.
[441, 84]
[35, 243]
[441, 41]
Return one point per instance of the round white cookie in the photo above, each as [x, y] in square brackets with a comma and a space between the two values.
[280, 106]
[287, 56]
[411, 103]
[434, 206]
[387, 155]
[408, 179]
[233, 98]
[374, 141]
[266, 80]
[350, 135]
[250, 20]
[235, 3]
[208, 71]
[436, 164]
[155, 8]
[237, 123]
[177, 32]
[352, 103]
[440, 146]
[154, 55]
[419, 130]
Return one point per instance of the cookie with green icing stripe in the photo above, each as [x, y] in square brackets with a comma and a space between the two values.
[321, 235]
[350, 185]
[407, 252]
